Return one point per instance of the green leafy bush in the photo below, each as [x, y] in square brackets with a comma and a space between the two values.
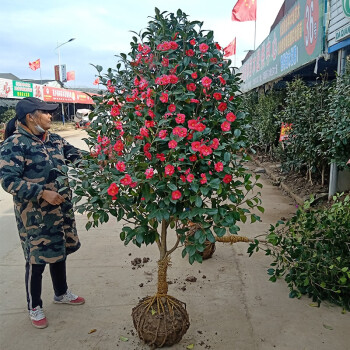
[6, 115]
[168, 141]
[311, 252]
[263, 110]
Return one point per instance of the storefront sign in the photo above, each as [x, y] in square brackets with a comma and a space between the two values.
[52, 94]
[342, 33]
[294, 42]
[6, 89]
[22, 89]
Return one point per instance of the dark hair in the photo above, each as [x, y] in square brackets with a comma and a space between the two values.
[11, 127]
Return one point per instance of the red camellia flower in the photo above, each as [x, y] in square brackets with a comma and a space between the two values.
[222, 106]
[151, 113]
[215, 143]
[193, 100]
[227, 179]
[213, 60]
[162, 134]
[189, 53]
[160, 156]
[193, 158]
[194, 75]
[149, 173]
[192, 124]
[175, 195]
[217, 96]
[196, 146]
[118, 146]
[148, 155]
[200, 127]
[206, 150]
[230, 117]
[193, 42]
[172, 144]
[219, 167]
[164, 97]
[217, 46]
[115, 111]
[120, 166]
[180, 118]
[190, 177]
[149, 123]
[144, 132]
[173, 79]
[203, 47]
[191, 87]
[165, 62]
[226, 126]
[113, 189]
[126, 180]
[206, 81]
[169, 170]
[172, 108]
[222, 80]
[203, 179]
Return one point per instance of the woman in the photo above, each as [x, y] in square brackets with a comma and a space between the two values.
[30, 160]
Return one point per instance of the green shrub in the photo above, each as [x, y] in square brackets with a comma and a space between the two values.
[7, 115]
[311, 251]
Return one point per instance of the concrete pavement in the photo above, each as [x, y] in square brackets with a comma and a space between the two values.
[232, 305]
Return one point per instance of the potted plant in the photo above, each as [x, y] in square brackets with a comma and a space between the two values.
[168, 148]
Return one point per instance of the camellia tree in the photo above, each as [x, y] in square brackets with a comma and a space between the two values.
[168, 148]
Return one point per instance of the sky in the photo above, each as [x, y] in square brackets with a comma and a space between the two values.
[33, 29]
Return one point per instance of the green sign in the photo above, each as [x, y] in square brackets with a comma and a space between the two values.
[342, 33]
[22, 89]
[295, 41]
[346, 7]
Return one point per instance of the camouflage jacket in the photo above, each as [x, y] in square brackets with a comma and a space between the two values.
[27, 168]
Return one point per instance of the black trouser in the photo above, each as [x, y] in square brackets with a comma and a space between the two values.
[33, 280]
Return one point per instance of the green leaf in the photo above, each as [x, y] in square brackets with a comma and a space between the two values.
[191, 346]
[198, 201]
[328, 327]
[125, 339]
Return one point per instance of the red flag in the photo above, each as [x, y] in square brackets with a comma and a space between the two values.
[230, 49]
[35, 64]
[71, 75]
[244, 10]
[97, 81]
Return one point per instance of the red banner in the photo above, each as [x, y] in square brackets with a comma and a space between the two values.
[230, 49]
[244, 10]
[52, 94]
[35, 64]
[57, 72]
[71, 75]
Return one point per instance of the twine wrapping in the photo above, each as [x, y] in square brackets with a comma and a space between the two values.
[233, 239]
[162, 276]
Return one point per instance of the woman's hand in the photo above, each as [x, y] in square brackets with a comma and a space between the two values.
[52, 197]
[348, 163]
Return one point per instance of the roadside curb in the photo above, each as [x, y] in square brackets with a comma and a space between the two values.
[282, 185]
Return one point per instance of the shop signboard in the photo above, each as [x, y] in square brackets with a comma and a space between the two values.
[22, 89]
[6, 88]
[52, 94]
[339, 25]
[297, 40]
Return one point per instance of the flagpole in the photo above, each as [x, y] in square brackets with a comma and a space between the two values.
[256, 13]
[254, 33]
[41, 80]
